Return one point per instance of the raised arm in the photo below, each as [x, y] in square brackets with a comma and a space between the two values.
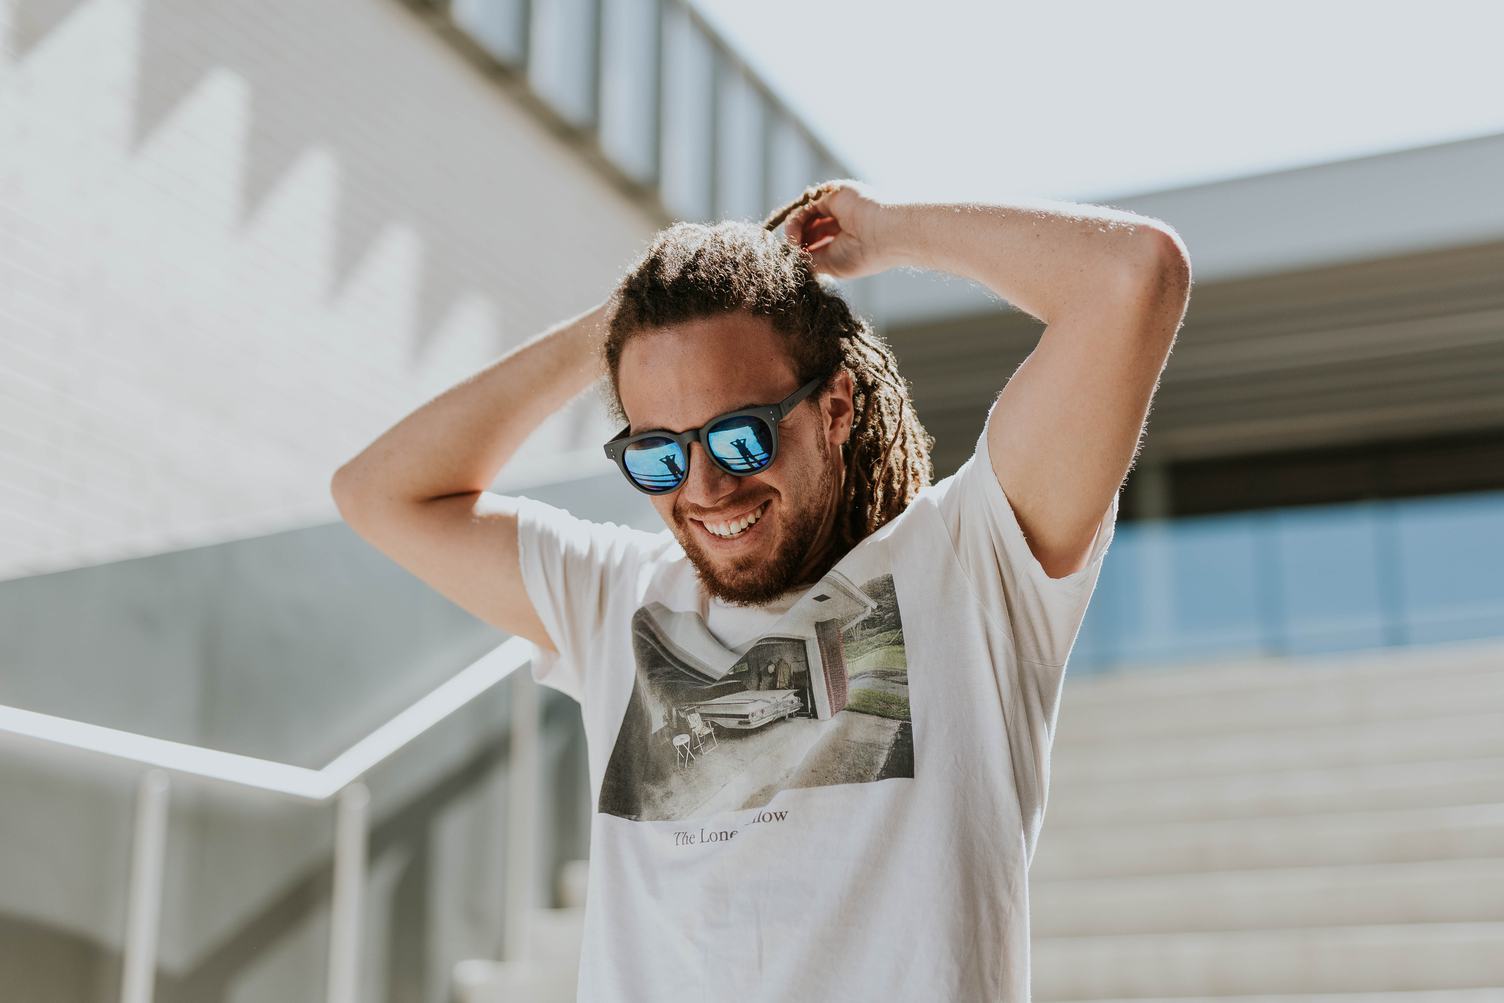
[1112, 289]
[418, 493]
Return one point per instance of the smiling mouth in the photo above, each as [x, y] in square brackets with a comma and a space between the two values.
[734, 529]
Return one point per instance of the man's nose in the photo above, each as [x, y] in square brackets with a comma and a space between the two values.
[707, 483]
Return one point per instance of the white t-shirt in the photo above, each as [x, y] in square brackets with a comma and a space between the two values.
[835, 797]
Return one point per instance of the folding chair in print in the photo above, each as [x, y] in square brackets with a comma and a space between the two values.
[699, 728]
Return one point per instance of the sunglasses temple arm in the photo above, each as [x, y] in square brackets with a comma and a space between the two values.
[800, 396]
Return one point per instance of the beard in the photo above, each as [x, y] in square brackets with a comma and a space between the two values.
[759, 578]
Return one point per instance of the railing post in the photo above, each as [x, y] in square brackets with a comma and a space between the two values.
[351, 823]
[144, 910]
[522, 817]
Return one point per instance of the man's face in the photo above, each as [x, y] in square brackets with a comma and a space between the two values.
[680, 377]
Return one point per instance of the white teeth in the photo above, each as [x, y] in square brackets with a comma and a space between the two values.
[730, 529]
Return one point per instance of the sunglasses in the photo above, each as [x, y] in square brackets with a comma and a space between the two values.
[740, 442]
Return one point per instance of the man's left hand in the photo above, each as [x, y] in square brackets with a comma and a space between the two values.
[840, 230]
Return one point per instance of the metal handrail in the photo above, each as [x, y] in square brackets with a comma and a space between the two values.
[339, 779]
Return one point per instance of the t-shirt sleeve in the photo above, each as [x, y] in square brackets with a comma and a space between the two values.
[1042, 614]
[578, 574]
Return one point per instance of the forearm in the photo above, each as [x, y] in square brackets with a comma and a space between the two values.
[460, 440]
[1042, 256]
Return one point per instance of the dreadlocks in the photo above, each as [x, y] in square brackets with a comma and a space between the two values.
[692, 271]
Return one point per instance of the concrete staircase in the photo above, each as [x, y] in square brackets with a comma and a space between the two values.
[1278, 832]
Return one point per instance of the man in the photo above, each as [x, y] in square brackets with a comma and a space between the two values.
[774, 436]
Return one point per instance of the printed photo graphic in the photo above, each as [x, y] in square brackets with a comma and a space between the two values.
[822, 699]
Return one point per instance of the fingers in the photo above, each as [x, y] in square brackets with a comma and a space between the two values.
[793, 227]
[800, 216]
[811, 227]
[819, 232]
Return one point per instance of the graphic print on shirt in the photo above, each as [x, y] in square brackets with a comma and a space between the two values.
[820, 699]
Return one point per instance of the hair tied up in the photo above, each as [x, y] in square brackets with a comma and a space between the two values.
[811, 194]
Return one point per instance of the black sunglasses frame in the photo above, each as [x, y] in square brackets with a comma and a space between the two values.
[771, 414]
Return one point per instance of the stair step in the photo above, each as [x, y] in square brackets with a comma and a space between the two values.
[1163, 757]
[1492, 994]
[1278, 710]
[557, 935]
[1298, 960]
[1291, 792]
[1430, 891]
[1326, 838]
[1294, 674]
[483, 981]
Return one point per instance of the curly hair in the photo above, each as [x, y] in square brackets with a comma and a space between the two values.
[692, 271]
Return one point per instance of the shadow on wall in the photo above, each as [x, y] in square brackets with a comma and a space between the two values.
[375, 126]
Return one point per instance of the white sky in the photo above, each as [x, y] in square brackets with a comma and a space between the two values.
[1093, 100]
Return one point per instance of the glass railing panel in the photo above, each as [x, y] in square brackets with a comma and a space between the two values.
[1327, 578]
[1448, 556]
[1298, 581]
[289, 647]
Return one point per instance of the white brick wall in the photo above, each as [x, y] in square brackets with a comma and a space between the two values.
[237, 241]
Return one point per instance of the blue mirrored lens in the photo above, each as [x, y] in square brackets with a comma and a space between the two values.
[744, 444]
[655, 463]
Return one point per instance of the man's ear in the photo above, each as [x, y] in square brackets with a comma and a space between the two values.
[838, 407]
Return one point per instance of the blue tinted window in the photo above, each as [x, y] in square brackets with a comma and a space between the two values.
[628, 86]
[739, 146]
[562, 57]
[688, 116]
[497, 26]
[791, 161]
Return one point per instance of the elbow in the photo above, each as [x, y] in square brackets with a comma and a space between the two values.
[1158, 277]
[1166, 262]
[1154, 285]
[342, 490]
